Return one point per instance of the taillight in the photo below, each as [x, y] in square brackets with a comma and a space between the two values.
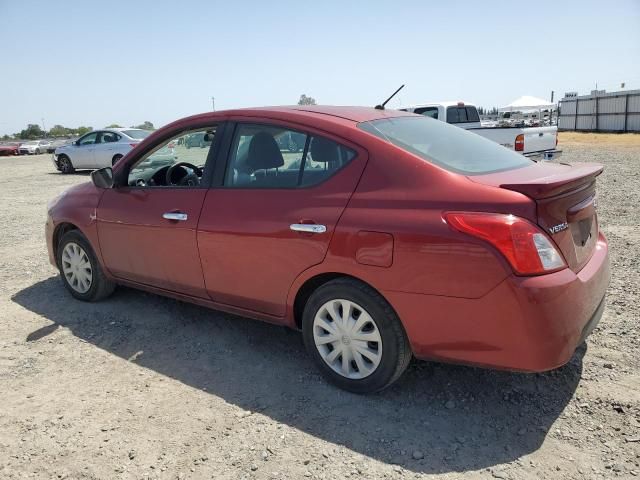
[520, 143]
[526, 247]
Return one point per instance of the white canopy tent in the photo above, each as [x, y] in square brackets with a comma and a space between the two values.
[527, 103]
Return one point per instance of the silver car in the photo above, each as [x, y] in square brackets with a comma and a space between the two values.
[97, 149]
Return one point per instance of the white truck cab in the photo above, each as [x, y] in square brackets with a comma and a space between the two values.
[538, 143]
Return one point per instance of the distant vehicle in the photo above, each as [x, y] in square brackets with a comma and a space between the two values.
[98, 149]
[196, 140]
[57, 143]
[535, 143]
[33, 147]
[10, 148]
[291, 141]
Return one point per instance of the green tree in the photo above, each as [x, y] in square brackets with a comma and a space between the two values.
[58, 131]
[113, 125]
[6, 137]
[32, 132]
[304, 100]
[147, 125]
[82, 130]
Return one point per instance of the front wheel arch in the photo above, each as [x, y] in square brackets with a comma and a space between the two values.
[59, 232]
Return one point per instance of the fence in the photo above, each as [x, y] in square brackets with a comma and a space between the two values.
[604, 112]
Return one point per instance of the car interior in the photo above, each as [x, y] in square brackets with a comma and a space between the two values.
[259, 159]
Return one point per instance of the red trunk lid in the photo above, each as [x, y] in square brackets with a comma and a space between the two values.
[565, 196]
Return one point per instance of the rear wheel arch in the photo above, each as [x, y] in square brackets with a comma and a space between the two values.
[313, 283]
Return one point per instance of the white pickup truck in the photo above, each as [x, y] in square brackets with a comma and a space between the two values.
[538, 143]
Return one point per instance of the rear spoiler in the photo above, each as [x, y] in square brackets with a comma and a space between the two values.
[557, 183]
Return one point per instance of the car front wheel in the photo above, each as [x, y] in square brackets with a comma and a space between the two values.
[80, 271]
[354, 336]
[65, 164]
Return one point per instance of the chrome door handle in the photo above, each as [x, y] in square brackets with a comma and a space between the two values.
[181, 217]
[308, 227]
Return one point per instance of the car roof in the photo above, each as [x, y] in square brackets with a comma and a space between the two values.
[320, 112]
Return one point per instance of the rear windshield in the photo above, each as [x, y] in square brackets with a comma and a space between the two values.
[449, 147]
[138, 134]
[462, 114]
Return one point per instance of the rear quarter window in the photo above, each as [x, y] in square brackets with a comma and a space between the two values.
[449, 147]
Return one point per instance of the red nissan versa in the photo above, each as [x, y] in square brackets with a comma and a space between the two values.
[387, 235]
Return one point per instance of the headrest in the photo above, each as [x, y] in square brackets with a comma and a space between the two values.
[323, 150]
[264, 152]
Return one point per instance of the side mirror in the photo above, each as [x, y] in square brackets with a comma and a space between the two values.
[102, 178]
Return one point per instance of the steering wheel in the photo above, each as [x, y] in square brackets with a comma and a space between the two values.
[189, 179]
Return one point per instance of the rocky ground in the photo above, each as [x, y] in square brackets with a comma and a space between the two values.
[140, 386]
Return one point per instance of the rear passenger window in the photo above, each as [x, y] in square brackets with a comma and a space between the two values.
[273, 157]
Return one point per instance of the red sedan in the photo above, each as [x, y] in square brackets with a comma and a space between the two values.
[388, 235]
[9, 149]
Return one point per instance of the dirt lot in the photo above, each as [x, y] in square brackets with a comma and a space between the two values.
[140, 386]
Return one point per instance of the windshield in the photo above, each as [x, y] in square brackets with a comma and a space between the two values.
[137, 134]
[449, 147]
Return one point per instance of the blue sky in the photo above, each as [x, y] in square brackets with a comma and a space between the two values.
[94, 63]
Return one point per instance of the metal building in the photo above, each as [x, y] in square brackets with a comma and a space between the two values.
[600, 111]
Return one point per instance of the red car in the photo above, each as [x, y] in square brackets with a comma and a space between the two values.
[9, 149]
[388, 235]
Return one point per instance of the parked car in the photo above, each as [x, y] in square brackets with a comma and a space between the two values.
[396, 236]
[534, 142]
[9, 148]
[291, 141]
[33, 147]
[97, 149]
[51, 148]
[196, 140]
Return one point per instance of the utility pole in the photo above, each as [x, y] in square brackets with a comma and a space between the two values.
[43, 127]
[213, 103]
[551, 96]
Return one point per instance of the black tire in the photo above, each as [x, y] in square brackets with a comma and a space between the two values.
[396, 353]
[100, 287]
[37, 151]
[115, 159]
[65, 164]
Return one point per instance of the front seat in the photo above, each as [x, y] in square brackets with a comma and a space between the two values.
[263, 154]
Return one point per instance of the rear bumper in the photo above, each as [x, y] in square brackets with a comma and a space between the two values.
[525, 323]
[544, 155]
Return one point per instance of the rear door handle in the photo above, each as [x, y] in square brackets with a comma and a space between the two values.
[308, 227]
[176, 216]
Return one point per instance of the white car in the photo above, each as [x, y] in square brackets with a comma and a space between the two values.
[97, 149]
[34, 147]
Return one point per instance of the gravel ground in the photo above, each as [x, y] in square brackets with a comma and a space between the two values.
[141, 386]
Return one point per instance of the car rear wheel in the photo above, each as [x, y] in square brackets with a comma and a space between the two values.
[115, 159]
[354, 336]
[80, 271]
[65, 164]
[37, 151]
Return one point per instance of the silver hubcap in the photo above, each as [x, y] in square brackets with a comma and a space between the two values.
[76, 267]
[347, 339]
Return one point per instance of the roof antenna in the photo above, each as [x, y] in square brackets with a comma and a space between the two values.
[381, 107]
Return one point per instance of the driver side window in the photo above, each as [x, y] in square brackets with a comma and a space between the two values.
[178, 162]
